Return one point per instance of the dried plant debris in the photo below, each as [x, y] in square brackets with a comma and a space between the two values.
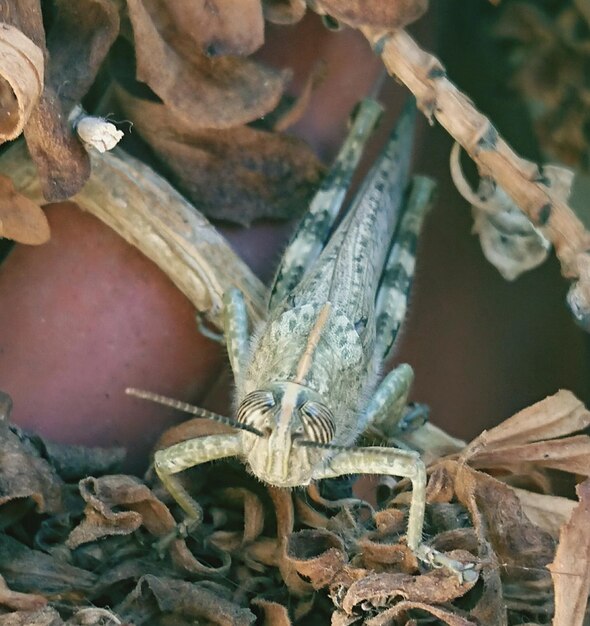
[191, 68]
[80, 36]
[384, 15]
[238, 174]
[21, 71]
[113, 549]
[549, 54]
[21, 219]
[509, 240]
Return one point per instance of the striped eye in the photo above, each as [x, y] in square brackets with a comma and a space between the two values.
[318, 422]
[254, 408]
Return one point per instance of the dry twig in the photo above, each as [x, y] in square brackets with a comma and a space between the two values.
[147, 212]
[522, 180]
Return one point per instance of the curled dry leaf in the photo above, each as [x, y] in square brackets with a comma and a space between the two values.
[509, 240]
[217, 27]
[571, 454]
[32, 571]
[77, 43]
[24, 474]
[283, 11]
[21, 219]
[275, 614]
[570, 569]
[200, 91]
[47, 616]
[317, 555]
[154, 596]
[399, 611]
[380, 590]
[18, 601]
[106, 496]
[555, 416]
[239, 174]
[497, 516]
[385, 15]
[298, 108]
[21, 80]
[546, 511]
[75, 462]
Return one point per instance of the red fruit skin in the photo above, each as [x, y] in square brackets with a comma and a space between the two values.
[85, 316]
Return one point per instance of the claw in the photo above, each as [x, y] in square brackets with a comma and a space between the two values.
[466, 572]
[182, 530]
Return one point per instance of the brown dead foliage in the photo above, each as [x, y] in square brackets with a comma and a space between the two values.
[257, 173]
[188, 68]
[550, 49]
[20, 218]
[111, 550]
[73, 51]
[385, 15]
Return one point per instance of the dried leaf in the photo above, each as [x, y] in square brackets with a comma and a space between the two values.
[275, 614]
[23, 474]
[298, 108]
[81, 35]
[546, 511]
[239, 174]
[213, 28]
[384, 15]
[555, 416]
[18, 601]
[381, 590]
[73, 463]
[498, 517]
[20, 218]
[570, 570]
[283, 11]
[201, 91]
[446, 617]
[571, 454]
[283, 505]
[105, 497]
[47, 616]
[32, 571]
[509, 240]
[317, 555]
[21, 80]
[154, 596]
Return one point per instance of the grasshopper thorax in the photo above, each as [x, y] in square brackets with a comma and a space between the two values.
[290, 418]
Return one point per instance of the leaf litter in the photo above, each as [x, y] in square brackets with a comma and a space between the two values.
[91, 546]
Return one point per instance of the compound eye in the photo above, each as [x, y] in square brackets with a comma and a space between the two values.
[318, 422]
[255, 407]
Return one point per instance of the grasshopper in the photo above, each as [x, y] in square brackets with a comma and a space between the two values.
[306, 382]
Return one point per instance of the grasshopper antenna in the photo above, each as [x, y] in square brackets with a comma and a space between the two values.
[190, 408]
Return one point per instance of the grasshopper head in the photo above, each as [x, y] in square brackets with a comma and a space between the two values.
[287, 415]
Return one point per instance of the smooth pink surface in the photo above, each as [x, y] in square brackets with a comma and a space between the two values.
[85, 316]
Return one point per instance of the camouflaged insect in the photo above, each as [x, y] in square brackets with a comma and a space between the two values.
[306, 381]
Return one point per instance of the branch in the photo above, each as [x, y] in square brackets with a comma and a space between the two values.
[522, 180]
[146, 211]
